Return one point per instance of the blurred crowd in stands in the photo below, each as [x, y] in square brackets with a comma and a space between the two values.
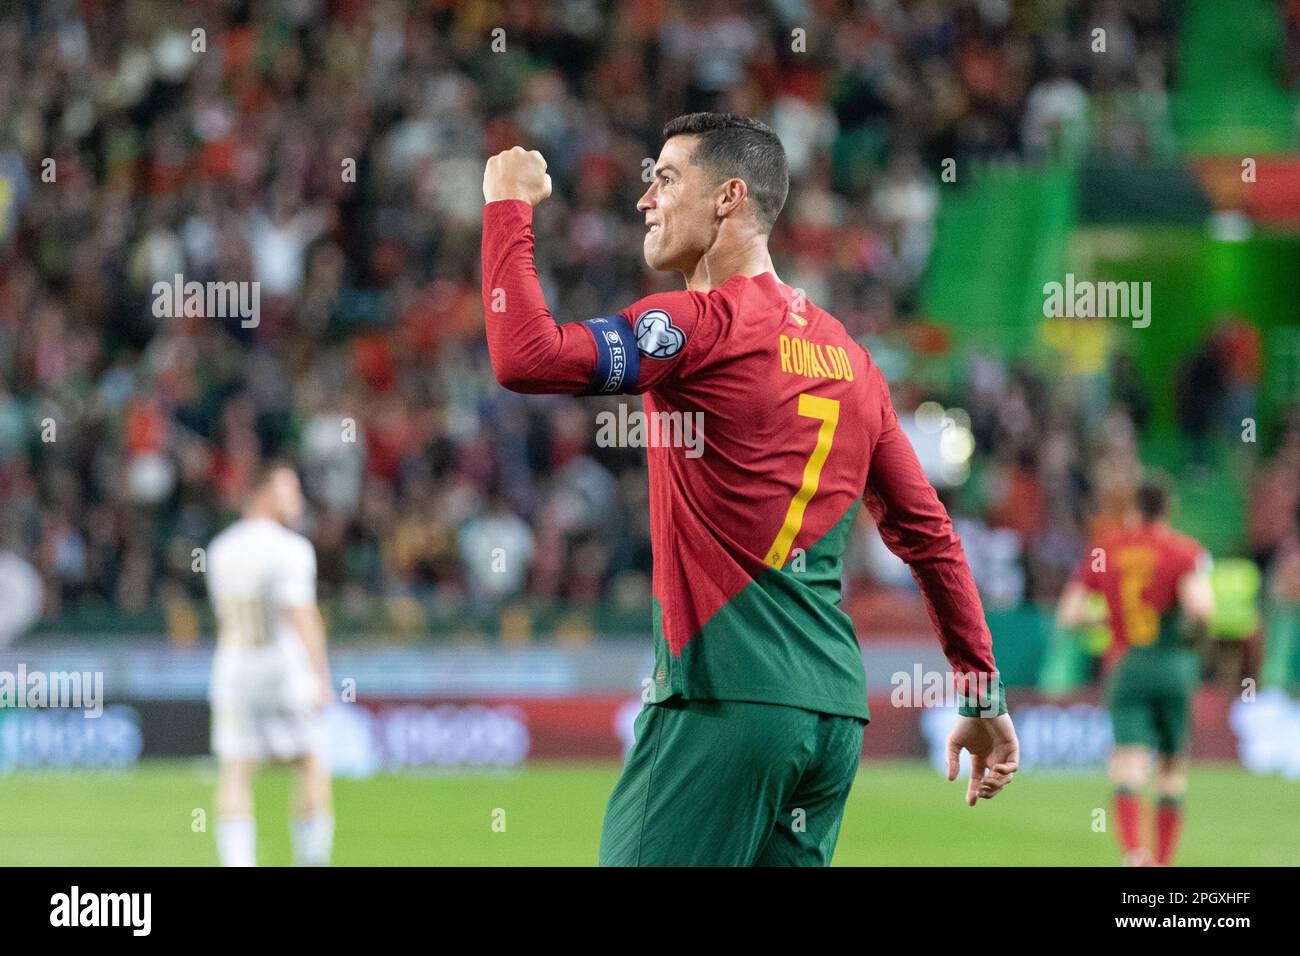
[332, 151]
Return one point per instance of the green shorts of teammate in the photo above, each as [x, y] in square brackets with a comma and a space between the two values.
[731, 783]
[1149, 695]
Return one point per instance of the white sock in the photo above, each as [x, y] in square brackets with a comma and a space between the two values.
[237, 841]
[313, 839]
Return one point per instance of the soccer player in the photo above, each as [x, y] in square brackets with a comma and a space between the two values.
[1156, 583]
[752, 733]
[270, 676]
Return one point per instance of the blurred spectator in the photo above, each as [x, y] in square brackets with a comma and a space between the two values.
[1281, 663]
[496, 548]
[1275, 498]
[1199, 393]
[1237, 343]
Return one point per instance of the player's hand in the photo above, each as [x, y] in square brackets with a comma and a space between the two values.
[516, 173]
[994, 754]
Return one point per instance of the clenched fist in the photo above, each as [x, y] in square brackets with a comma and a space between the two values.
[516, 173]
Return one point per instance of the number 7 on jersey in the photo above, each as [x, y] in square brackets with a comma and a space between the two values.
[827, 410]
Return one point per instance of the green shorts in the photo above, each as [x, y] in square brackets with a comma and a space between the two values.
[1149, 695]
[731, 783]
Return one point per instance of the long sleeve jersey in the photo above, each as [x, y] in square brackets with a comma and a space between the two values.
[748, 525]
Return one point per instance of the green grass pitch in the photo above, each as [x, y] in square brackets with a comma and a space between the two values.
[900, 813]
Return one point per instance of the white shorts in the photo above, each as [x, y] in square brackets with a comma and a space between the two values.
[264, 706]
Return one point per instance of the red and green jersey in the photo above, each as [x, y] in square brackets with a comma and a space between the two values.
[1138, 571]
[748, 536]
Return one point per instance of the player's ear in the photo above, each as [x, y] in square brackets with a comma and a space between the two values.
[731, 196]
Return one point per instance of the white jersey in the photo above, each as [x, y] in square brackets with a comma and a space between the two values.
[257, 570]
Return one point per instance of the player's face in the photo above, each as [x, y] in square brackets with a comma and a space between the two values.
[286, 496]
[678, 209]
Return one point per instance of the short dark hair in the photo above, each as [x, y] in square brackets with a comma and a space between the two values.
[1153, 499]
[738, 146]
[266, 469]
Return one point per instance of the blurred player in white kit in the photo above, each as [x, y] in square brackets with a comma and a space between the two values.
[270, 674]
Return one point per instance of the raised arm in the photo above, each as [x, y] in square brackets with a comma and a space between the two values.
[529, 351]
[650, 344]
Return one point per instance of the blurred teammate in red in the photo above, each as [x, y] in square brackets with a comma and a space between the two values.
[1156, 584]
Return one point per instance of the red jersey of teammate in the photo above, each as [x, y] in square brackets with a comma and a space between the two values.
[747, 536]
[1138, 570]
